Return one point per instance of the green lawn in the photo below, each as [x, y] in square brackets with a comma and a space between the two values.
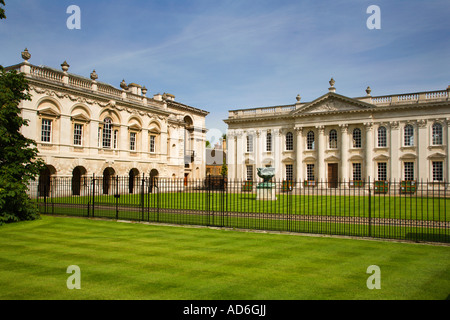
[139, 261]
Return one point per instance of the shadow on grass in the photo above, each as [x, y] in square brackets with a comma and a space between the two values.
[431, 237]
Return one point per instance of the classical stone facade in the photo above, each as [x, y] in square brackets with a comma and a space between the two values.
[85, 127]
[336, 138]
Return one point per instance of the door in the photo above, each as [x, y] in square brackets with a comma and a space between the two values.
[332, 175]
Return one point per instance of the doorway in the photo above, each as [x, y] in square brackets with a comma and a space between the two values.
[332, 175]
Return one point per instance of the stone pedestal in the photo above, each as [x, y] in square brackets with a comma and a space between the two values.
[265, 193]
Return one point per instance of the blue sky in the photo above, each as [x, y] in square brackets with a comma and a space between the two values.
[224, 55]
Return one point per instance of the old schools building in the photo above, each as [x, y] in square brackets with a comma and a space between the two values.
[335, 138]
[84, 127]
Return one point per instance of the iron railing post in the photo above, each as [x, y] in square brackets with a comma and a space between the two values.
[370, 210]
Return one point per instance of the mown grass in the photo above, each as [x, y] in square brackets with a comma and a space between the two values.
[139, 261]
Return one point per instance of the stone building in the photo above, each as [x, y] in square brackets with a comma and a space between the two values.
[336, 138]
[85, 127]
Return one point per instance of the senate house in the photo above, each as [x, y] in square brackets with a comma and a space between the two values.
[335, 138]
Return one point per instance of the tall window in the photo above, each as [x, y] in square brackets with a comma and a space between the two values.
[46, 132]
[408, 134]
[382, 137]
[438, 172]
[107, 132]
[289, 172]
[289, 141]
[116, 134]
[310, 172]
[357, 138]
[409, 170]
[78, 134]
[269, 142]
[152, 144]
[310, 140]
[249, 144]
[437, 134]
[357, 171]
[333, 139]
[133, 141]
[250, 172]
[382, 171]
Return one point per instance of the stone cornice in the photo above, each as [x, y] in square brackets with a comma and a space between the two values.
[84, 96]
[375, 109]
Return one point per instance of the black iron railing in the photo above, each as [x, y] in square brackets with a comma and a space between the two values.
[405, 210]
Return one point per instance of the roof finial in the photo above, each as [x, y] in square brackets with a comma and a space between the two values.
[332, 88]
[65, 66]
[26, 55]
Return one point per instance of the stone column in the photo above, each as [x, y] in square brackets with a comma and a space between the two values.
[231, 154]
[299, 156]
[321, 147]
[394, 144]
[344, 154]
[421, 147]
[240, 150]
[447, 142]
[369, 152]
[257, 150]
[277, 154]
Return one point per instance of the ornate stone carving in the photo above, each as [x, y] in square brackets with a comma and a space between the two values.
[422, 123]
[94, 75]
[65, 66]
[394, 124]
[26, 55]
[344, 127]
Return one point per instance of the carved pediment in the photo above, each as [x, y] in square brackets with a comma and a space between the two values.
[80, 117]
[332, 102]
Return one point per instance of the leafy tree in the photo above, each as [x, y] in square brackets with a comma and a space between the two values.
[224, 170]
[2, 11]
[19, 164]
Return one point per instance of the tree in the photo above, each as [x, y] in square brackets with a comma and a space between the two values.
[19, 162]
[224, 170]
[2, 11]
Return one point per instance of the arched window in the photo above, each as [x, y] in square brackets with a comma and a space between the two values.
[382, 137]
[289, 141]
[249, 143]
[107, 132]
[408, 135]
[437, 134]
[310, 140]
[269, 142]
[357, 138]
[333, 139]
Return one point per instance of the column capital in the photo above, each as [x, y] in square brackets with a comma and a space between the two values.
[394, 124]
[368, 125]
[321, 129]
[422, 123]
[343, 127]
[298, 130]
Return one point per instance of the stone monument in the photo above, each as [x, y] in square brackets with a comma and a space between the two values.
[266, 189]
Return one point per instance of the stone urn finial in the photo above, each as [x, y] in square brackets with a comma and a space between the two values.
[144, 90]
[332, 82]
[65, 66]
[332, 88]
[298, 98]
[368, 91]
[94, 75]
[123, 85]
[26, 55]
